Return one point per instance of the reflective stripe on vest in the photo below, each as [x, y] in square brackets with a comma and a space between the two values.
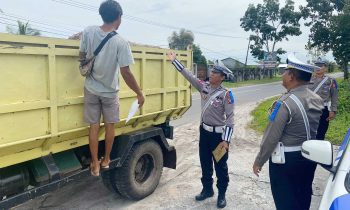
[303, 113]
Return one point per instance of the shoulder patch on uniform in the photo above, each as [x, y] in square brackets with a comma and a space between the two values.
[335, 84]
[275, 110]
[229, 97]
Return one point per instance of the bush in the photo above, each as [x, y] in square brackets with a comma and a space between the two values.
[339, 126]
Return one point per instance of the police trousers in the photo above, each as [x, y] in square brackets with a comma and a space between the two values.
[291, 183]
[323, 125]
[208, 141]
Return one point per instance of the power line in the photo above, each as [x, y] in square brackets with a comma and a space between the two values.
[49, 32]
[219, 53]
[85, 6]
[45, 28]
[42, 23]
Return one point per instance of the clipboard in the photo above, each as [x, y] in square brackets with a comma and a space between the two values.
[218, 153]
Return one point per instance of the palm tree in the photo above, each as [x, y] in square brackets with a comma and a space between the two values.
[23, 29]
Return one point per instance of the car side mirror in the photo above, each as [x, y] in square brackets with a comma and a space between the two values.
[319, 151]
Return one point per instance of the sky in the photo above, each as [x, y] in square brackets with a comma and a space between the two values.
[151, 22]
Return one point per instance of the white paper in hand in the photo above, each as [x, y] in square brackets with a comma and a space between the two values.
[133, 109]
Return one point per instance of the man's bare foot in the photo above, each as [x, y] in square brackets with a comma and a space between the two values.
[105, 163]
[95, 168]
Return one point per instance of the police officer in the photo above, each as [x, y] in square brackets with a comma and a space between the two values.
[326, 87]
[293, 119]
[216, 127]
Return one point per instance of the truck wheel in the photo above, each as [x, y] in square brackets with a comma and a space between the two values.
[140, 173]
[108, 181]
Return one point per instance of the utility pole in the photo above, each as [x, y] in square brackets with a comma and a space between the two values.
[246, 57]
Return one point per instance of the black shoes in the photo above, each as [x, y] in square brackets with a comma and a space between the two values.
[204, 195]
[221, 201]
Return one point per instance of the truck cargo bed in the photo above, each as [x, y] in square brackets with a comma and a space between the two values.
[41, 95]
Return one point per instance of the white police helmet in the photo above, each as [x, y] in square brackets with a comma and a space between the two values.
[320, 61]
[220, 67]
[294, 63]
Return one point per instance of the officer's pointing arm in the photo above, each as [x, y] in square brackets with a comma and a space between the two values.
[272, 134]
[198, 84]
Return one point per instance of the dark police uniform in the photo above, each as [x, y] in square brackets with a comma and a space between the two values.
[216, 125]
[291, 182]
[326, 88]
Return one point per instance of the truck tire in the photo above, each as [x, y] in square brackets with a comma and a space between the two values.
[108, 182]
[140, 173]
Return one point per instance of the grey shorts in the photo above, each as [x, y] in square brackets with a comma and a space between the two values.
[94, 105]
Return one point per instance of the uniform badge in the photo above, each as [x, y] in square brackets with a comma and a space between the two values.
[335, 85]
[275, 110]
[229, 97]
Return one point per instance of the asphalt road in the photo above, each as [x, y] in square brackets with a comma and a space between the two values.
[242, 96]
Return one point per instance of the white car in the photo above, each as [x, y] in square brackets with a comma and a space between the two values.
[337, 192]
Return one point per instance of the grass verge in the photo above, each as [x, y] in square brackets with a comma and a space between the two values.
[339, 126]
[260, 115]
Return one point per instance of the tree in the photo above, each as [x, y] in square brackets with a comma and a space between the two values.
[340, 39]
[270, 24]
[313, 52]
[180, 41]
[198, 57]
[23, 29]
[330, 28]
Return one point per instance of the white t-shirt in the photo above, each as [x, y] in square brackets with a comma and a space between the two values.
[116, 53]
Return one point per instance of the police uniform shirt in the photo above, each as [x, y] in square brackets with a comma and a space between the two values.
[220, 111]
[328, 91]
[288, 126]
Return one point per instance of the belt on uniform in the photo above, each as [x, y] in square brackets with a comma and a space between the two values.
[292, 149]
[217, 129]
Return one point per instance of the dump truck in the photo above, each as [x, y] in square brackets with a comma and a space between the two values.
[43, 137]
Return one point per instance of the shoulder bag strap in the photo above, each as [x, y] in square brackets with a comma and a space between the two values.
[103, 42]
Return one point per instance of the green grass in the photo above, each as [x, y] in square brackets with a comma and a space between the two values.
[337, 128]
[260, 115]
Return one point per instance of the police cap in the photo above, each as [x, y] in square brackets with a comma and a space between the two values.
[294, 63]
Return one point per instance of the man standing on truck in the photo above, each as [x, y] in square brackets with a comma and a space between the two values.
[326, 88]
[102, 85]
[216, 127]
